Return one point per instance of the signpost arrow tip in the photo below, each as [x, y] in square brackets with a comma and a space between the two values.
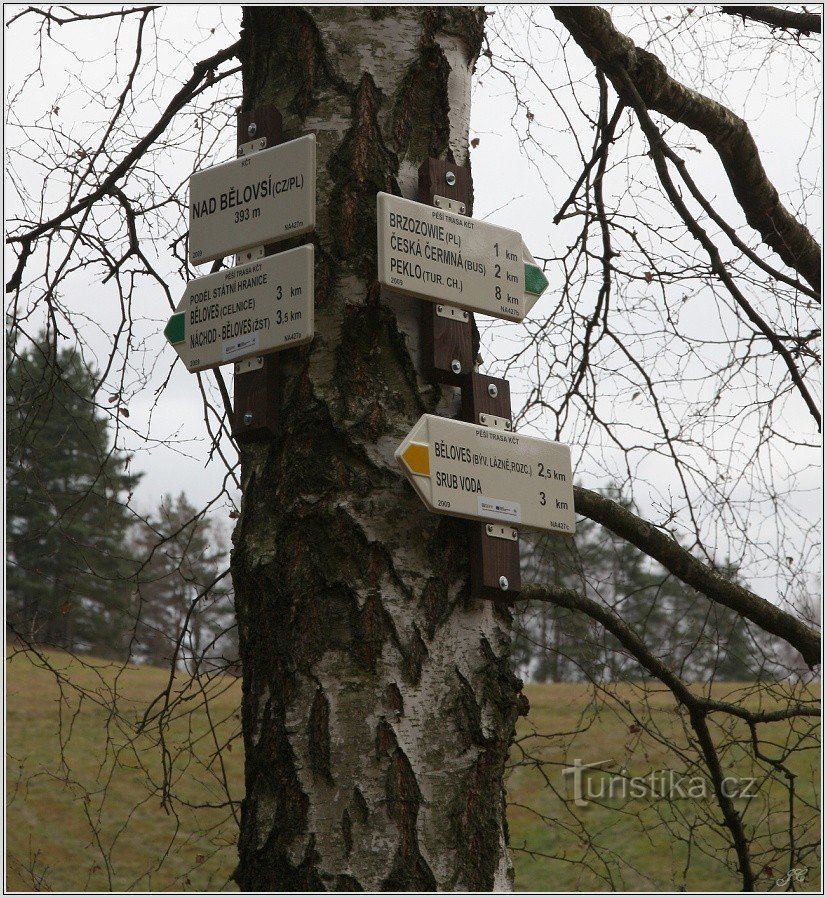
[176, 327]
[536, 281]
[416, 460]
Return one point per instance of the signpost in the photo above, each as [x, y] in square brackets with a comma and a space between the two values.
[251, 310]
[447, 258]
[489, 474]
[263, 196]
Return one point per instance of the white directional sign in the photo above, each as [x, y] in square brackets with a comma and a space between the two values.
[241, 312]
[259, 198]
[451, 259]
[489, 475]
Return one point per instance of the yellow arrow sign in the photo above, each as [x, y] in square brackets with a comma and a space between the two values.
[483, 474]
[416, 459]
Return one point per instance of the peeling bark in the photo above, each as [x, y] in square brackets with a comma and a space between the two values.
[378, 701]
[612, 52]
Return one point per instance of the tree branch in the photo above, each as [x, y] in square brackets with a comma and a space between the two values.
[610, 50]
[73, 16]
[607, 135]
[775, 17]
[184, 95]
[697, 706]
[657, 146]
[683, 565]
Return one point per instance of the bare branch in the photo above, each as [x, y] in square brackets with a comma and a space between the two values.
[803, 22]
[657, 144]
[570, 598]
[613, 52]
[200, 71]
[49, 16]
[707, 580]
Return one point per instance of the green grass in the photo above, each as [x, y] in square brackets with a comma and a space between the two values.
[55, 792]
[640, 844]
[64, 755]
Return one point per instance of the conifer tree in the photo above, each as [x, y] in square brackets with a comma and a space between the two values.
[68, 572]
[181, 611]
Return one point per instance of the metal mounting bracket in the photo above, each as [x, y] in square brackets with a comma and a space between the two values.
[246, 365]
[249, 255]
[442, 202]
[252, 146]
[495, 422]
[500, 532]
[452, 312]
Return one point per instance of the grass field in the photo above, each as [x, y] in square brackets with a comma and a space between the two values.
[61, 836]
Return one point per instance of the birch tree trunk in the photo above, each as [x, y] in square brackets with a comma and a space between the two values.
[378, 704]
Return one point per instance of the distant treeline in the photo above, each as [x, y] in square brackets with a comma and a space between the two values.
[700, 640]
[87, 574]
[84, 571]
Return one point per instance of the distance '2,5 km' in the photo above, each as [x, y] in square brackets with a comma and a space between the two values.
[549, 473]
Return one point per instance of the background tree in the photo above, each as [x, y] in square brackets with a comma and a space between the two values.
[183, 556]
[67, 563]
[702, 641]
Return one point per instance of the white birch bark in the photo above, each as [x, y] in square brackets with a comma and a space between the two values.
[378, 703]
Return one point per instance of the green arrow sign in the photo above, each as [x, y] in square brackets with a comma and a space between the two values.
[242, 312]
[439, 255]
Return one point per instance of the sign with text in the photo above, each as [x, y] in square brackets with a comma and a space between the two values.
[489, 475]
[247, 311]
[256, 199]
[443, 257]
